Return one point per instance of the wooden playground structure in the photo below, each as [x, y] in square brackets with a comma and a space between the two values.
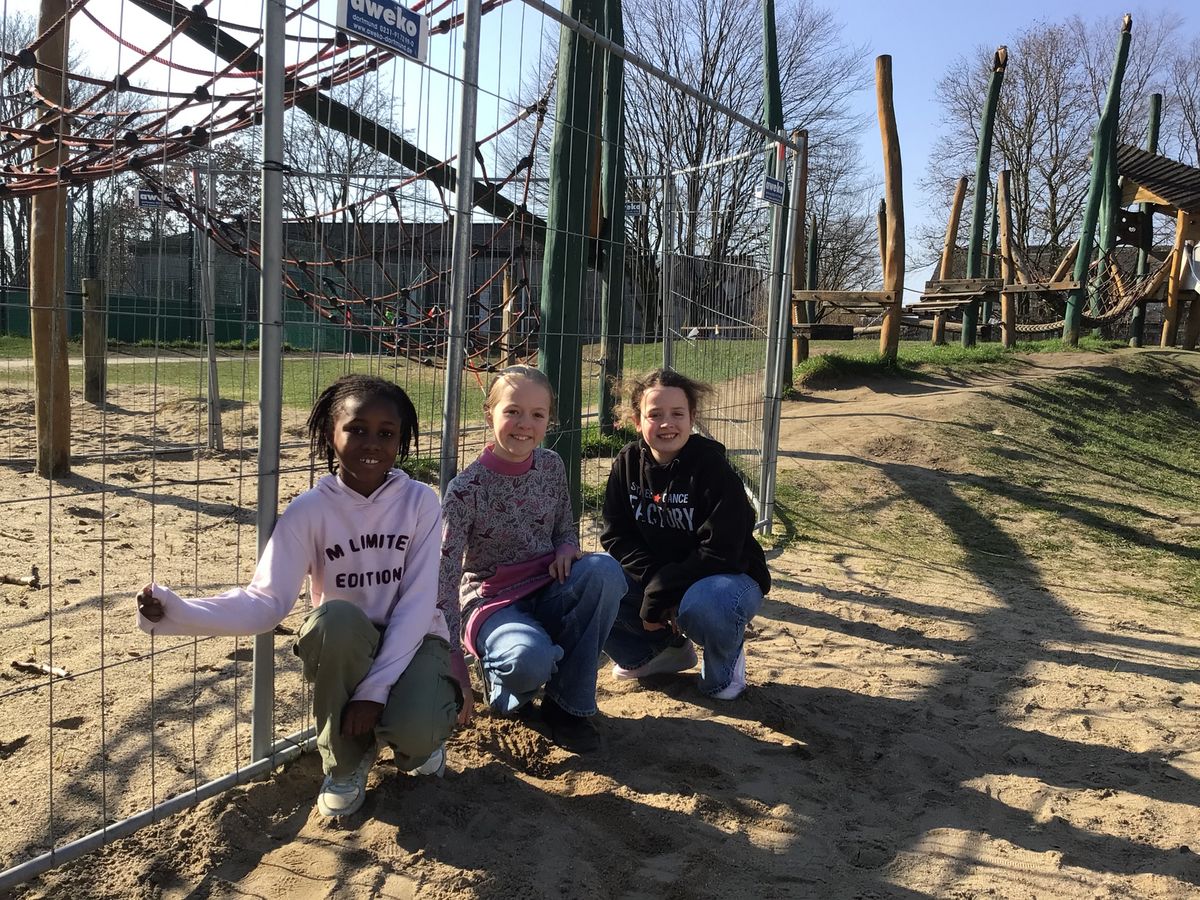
[1088, 289]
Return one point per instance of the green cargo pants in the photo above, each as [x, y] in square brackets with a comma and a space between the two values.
[337, 644]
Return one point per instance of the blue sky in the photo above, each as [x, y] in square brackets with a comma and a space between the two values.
[924, 37]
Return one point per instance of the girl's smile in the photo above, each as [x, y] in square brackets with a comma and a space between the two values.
[366, 441]
[665, 422]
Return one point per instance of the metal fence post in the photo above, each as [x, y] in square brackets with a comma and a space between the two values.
[460, 261]
[270, 350]
[668, 257]
[780, 303]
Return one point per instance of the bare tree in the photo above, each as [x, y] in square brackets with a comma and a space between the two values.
[1183, 102]
[1054, 87]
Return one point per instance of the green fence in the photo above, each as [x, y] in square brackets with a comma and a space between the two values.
[136, 319]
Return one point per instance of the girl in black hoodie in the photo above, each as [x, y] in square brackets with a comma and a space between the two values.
[677, 518]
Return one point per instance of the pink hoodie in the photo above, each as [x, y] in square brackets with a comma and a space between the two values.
[379, 553]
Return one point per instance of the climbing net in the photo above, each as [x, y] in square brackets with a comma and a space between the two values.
[1112, 295]
[342, 261]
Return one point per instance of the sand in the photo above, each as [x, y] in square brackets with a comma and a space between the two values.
[912, 729]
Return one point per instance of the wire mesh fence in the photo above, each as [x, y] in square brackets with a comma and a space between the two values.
[560, 262]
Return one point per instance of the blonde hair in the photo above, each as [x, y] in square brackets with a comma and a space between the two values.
[515, 373]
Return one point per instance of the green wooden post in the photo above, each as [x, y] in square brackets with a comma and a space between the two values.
[1091, 209]
[985, 309]
[612, 180]
[564, 269]
[979, 202]
[1137, 326]
[810, 278]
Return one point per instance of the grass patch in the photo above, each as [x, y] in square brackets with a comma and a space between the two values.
[596, 445]
[914, 360]
[422, 468]
[1088, 478]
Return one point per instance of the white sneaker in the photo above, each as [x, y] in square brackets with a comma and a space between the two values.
[435, 765]
[672, 659]
[343, 795]
[738, 683]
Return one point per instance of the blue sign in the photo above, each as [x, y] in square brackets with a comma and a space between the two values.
[635, 210]
[772, 189]
[388, 24]
[148, 198]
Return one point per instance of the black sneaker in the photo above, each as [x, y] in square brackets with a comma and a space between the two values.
[575, 734]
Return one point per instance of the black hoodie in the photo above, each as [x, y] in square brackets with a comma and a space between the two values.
[669, 526]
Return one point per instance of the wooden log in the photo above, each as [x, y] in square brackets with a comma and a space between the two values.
[1064, 265]
[1040, 287]
[1008, 303]
[508, 345]
[964, 286]
[1021, 268]
[956, 206]
[893, 178]
[845, 298]
[1170, 325]
[938, 335]
[825, 332]
[95, 340]
[47, 258]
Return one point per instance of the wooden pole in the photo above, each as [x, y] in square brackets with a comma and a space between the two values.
[946, 270]
[1170, 326]
[1008, 313]
[564, 268]
[1137, 324]
[982, 180]
[985, 308]
[47, 296]
[508, 347]
[612, 201]
[1068, 260]
[812, 276]
[799, 314]
[95, 340]
[1101, 144]
[893, 179]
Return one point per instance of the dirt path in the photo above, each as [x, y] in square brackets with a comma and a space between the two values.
[967, 728]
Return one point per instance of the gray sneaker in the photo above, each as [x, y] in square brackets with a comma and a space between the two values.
[435, 765]
[343, 795]
[672, 659]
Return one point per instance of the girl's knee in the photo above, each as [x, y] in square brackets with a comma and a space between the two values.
[604, 578]
[415, 729]
[337, 627]
[524, 665]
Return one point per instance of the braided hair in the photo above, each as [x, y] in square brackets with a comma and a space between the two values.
[367, 388]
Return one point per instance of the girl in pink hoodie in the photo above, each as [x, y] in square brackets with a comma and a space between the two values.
[376, 645]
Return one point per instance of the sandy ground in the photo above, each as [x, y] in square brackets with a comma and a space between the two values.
[912, 729]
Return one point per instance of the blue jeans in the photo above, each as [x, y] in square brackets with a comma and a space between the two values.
[713, 613]
[553, 638]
